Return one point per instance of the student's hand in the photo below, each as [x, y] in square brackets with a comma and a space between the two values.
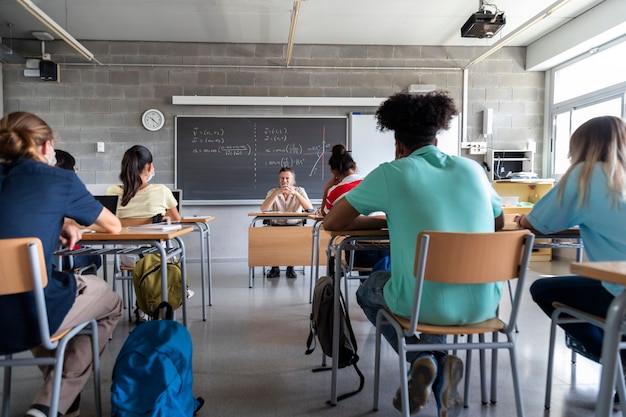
[70, 233]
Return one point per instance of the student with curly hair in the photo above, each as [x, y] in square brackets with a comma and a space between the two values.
[423, 189]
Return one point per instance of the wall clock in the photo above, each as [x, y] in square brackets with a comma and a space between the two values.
[153, 119]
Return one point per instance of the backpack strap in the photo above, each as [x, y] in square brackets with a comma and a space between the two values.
[355, 359]
[169, 315]
[311, 339]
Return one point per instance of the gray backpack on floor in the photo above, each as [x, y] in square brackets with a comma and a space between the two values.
[322, 328]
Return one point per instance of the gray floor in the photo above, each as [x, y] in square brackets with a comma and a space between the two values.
[249, 358]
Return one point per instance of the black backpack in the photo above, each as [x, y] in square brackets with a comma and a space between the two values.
[322, 327]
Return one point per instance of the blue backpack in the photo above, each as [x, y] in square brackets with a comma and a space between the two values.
[152, 375]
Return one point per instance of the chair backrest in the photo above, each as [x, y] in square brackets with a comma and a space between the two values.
[16, 265]
[23, 269]
[471, 258]
[109, 201]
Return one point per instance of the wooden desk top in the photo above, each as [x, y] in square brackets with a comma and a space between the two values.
[614, 272]
[136, 234]
[279, 214]
[196, 219]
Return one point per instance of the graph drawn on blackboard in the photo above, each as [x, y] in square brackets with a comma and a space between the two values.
[235, 160]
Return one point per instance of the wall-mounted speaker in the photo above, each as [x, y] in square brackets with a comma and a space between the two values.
[48, 70]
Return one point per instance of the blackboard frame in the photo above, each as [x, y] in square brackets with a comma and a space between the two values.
[231, 136]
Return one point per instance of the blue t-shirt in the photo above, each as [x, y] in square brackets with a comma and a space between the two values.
[430, 190]
[34, 200]
[602, 223]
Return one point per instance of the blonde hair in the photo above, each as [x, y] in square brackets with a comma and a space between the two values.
[601, 139]
[21, 133]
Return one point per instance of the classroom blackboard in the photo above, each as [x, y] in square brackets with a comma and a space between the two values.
[235, 160]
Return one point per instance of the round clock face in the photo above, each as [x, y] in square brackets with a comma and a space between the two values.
[153, 119]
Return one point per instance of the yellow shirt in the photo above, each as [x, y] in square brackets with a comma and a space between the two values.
[148, 202]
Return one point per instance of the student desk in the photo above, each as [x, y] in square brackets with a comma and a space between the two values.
[201, 225]
[614, 272]
[143, 242]
[565, 239]
[278, 245]
[338, 242]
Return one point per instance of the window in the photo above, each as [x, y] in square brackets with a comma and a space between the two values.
[587, 87]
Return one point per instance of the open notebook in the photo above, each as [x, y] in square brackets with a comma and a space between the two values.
[153, 227]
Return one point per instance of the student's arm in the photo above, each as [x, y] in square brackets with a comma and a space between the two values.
[344, 217]
[173, 214]
[106, 222]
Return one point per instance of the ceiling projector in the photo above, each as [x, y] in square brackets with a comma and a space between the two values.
[483, 24]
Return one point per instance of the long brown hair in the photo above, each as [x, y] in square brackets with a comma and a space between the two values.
[21, 133]
[133, 163]
[601, 139]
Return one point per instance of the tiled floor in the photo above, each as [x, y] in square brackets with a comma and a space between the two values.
[249, 358]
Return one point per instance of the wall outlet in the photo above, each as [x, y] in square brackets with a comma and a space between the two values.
[99, 146]
[477, 148]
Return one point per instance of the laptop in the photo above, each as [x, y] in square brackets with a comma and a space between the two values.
[178, 195]
[109, 201]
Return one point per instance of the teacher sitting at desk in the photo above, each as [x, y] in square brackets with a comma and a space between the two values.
[423, 189]
[592, 195]
[288, 198]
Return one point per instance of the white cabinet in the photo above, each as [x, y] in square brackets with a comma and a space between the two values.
[501, 163]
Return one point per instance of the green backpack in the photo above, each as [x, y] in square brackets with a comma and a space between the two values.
[147, 283]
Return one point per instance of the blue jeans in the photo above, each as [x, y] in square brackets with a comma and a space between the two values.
[370, 298]
[584, 294]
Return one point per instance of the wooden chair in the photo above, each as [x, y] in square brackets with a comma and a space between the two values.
[564, 314]
[23, 269]
[463, 258]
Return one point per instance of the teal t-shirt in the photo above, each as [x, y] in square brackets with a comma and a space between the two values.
[430, 190]
[602, 223]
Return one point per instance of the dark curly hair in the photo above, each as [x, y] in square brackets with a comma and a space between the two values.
[416, 119]
[341, 160]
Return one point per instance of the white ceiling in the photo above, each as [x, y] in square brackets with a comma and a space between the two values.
[367, 22]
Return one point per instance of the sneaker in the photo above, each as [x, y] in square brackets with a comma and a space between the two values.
[423, 373]
[140, 316]
[291, 273]
[39, 410]
[274, 272]
[190, 293]
[445, 388]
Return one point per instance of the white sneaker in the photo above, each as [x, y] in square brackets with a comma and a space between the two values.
[190, 293]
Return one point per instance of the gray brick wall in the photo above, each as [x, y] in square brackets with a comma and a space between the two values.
[104, 103]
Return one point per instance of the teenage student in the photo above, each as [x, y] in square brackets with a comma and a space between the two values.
[592, 195]
[344, 178]
[287, 197]
[140, 199]
[49, 203]
[423, 189]
[65, 160]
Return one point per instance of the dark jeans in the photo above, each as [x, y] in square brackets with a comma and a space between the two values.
[582, 293]
[370, 298]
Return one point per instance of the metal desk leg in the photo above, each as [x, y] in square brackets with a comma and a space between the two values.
[610, 350]
[336, 316]
[202, 268]
[208, 262]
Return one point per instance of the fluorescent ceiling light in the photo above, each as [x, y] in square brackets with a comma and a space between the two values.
[57, 29]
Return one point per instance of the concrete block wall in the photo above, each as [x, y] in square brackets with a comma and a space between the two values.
[104, 103]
